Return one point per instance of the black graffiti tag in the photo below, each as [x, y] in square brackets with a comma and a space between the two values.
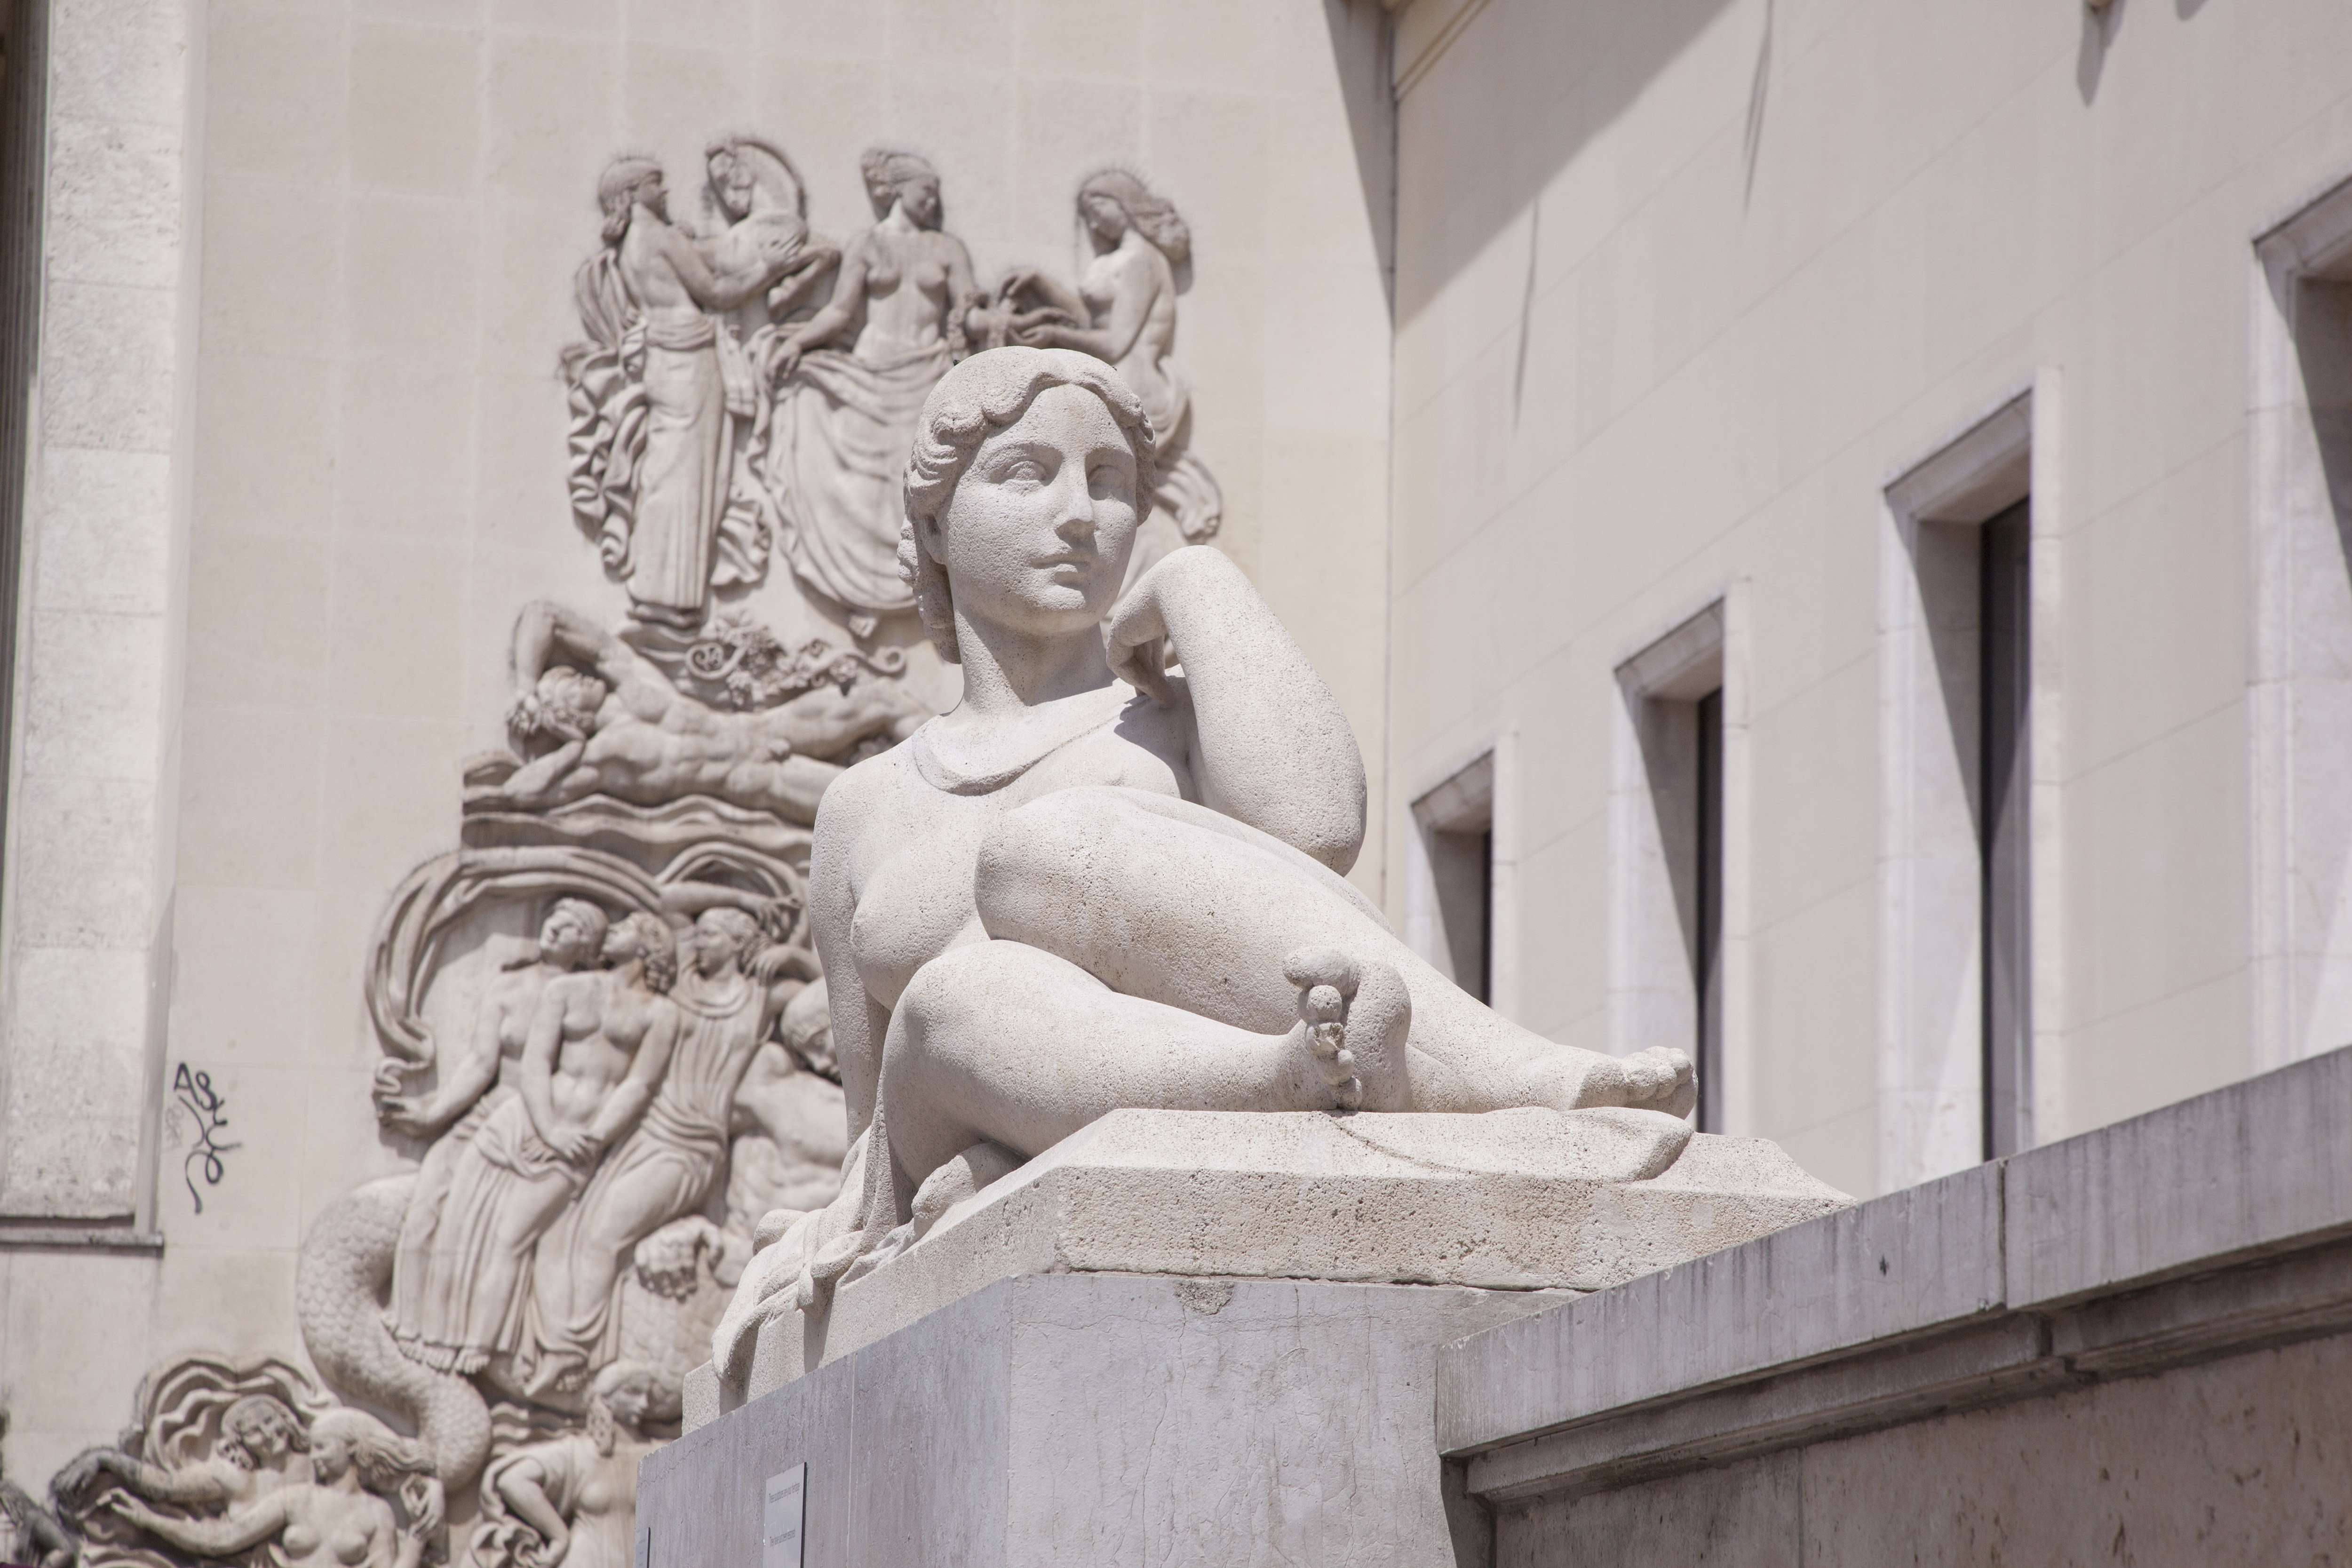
[193, 1089]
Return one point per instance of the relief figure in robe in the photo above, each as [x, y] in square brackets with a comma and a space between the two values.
[850, 385]
[651, 419]
[1124, 311]
[571, 939]
[1102, 883]
[599, 1044]
[596, 717]
[730, 991]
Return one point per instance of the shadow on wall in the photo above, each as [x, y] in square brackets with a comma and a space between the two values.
[1359, 44]
[2100, 26]
[1561, 71]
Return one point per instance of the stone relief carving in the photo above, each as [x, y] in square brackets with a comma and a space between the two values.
[571, 1500]
[1123, 312]
[29, 1533]
[606, 1043]
[252, 1460]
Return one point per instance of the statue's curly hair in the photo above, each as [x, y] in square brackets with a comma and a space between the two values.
[984, 394]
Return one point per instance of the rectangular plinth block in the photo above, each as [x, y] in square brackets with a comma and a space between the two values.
[1100, 1420]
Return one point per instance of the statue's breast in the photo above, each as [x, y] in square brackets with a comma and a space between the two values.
[917, 904]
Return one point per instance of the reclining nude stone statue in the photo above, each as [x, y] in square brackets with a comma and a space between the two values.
[1113, 878]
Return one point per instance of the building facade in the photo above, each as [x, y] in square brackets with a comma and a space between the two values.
[1827, 522]
[1730, 341]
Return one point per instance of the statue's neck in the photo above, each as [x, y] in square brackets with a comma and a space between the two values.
[1005, 671]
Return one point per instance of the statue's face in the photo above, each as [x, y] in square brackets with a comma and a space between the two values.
[921, 196]
[621, 945]
[626, 1405]
[652, 195]
[731, 178]
[1038, 534]
[716, 949]
[330, 1455]
[1106, 219]
[564, 942]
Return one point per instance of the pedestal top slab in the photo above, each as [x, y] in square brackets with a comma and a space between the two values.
[1518, 1200]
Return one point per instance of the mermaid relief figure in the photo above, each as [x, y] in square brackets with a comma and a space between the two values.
[846, 415]
[1124, 311]
[340, 1517]
[1099, 883]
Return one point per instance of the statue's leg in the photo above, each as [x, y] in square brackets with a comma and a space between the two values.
[1007, 1044]
[1173, 903]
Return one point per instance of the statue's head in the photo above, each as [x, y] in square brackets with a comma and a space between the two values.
[258, 1431]
[567, 702]
[1110, 200]
[893, 178]
[389, 1464]
[1030, 470]
[628, 1394]
[807, 1030]
[723, 938]
[733, 181]
[646, 937]
[573, 934]
[626, 184]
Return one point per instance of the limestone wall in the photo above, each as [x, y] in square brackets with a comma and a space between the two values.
[322, 259]
[1682, 289]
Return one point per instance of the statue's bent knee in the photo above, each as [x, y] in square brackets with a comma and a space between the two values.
[1062, 847]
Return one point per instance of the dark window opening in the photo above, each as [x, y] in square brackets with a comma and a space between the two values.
[1707, 950]
[2004, 829]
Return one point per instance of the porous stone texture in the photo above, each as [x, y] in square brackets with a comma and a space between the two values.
[1103, 1420]
[1514, 1199]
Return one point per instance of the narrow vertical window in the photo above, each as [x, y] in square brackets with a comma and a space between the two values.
[1450, 896]
[1670, 858]
[1958, 862]
[24, 36]
[2004, 830]
[2299, 437]
[1707, 950]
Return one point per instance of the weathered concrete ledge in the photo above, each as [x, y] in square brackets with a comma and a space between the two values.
[2217, 1227]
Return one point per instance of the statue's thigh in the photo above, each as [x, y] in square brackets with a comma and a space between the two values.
[1196, 914]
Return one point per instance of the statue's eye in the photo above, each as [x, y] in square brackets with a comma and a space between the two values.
[1023, 470]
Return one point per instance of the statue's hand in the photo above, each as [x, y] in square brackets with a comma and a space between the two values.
[573, 1143]
[1138, 641]
[405, 1114]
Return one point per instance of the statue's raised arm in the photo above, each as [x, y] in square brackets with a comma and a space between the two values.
[1269, 745]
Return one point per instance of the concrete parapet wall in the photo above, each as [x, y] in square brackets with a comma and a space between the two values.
[2137, 1340]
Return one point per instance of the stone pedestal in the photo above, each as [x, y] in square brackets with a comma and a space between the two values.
[1100, 1419]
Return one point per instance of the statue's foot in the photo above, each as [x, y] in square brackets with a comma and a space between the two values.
[1353, 1014]
[1572, 1078]
[1662, 1078]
